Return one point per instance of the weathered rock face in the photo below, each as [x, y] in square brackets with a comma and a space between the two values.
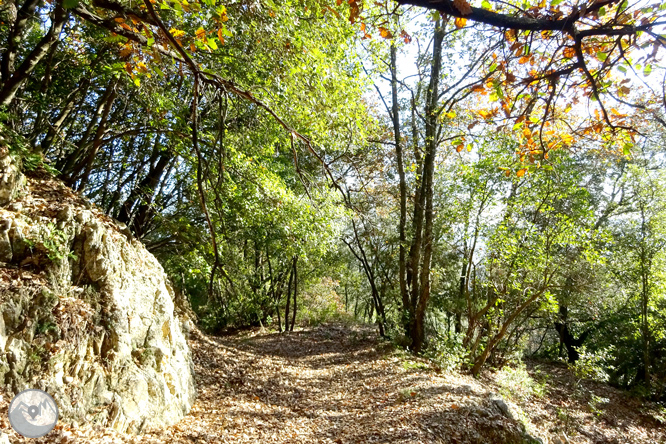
[87, 313]
[11, 179]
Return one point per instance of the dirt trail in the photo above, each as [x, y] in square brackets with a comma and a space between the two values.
[332, 384]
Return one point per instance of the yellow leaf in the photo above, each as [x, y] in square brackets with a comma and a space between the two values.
[460, 22]
[527, 132]
[176, 32]
[201, 33]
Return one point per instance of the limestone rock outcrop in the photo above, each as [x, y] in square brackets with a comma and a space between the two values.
[86, 312]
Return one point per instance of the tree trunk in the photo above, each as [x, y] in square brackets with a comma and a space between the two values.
[286, 310]
[418, 333]
[15, 36]
[97, 141]
[293, 317]
[14, 81]
[395, 117]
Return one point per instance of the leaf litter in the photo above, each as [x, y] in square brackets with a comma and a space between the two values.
[330, 384]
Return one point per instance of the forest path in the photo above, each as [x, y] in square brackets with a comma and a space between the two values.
[340, 384]
[331, 384]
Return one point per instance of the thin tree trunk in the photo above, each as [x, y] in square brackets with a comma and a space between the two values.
[418, 333]
[11, 85]
[395, 117]
[97, 141]
[286, 310]
[293, 317]
[21, 19]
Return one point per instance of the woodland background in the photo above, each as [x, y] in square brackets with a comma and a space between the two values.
[485, 182]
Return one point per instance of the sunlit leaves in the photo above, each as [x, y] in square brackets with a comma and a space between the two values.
[176, 32]
[460, 22]
[569, 52]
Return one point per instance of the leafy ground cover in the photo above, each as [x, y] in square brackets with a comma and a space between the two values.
[339, 384]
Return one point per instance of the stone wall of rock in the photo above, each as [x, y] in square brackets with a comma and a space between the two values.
[87, 313]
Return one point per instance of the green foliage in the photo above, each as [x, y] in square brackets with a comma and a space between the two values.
[19, 147]
[53, 241]
[591, 365]
[46, 326]
[516, 383]
[321, 303]
[447, 352]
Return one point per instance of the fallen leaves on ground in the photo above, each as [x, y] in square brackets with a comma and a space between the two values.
[332, 384]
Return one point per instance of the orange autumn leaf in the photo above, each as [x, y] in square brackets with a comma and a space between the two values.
[460, 22]
[524, 59]
[569, 52]
[385, 33]
[521, 172]
[220, 35]
[460, 147]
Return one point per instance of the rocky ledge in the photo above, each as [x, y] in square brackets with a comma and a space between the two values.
[87, 312]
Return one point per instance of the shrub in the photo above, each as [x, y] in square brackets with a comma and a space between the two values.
[591, 365]
[516, 383]
[447, 352]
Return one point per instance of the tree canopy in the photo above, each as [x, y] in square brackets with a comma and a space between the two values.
[480, 179]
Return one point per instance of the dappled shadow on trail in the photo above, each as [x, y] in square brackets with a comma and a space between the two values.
[332, 384]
